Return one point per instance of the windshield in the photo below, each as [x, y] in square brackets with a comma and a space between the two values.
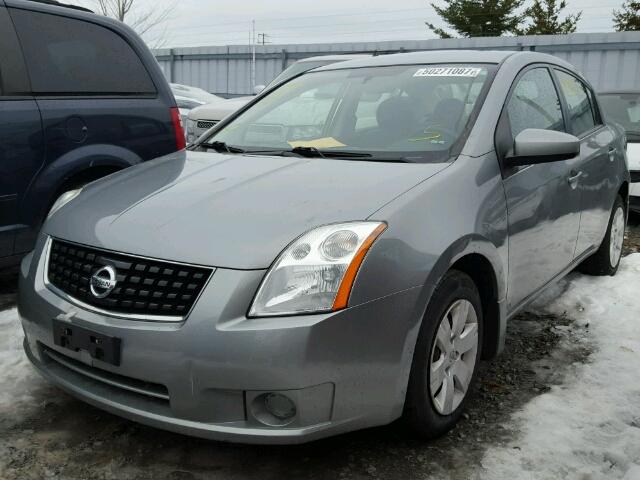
[623, 108]
[408, 113]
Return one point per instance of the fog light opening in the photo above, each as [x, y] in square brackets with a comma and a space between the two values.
[274, 409]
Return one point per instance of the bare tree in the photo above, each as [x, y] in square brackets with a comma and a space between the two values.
[141, 18]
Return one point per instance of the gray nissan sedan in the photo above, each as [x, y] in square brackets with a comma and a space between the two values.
[340, 253]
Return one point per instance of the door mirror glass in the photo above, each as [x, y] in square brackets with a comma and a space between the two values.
[534, 145]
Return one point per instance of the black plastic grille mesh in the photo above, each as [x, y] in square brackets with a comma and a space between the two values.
[144, 287]
[207, 124]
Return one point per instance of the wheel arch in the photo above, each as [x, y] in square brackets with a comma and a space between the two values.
[85, 163]
[479, 258]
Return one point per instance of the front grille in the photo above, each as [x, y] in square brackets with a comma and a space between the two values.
[144, 287]
[206, 124]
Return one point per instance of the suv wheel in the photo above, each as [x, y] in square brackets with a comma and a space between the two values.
[607, 259]
[446, 357]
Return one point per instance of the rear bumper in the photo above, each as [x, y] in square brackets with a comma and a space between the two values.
[205, 376]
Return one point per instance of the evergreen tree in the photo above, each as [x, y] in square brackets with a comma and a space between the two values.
[545, 19]
[628, 18]
[478, 18]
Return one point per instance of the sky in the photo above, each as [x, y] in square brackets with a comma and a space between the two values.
[217, 22]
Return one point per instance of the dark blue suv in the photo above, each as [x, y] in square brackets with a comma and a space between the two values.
[81, 97]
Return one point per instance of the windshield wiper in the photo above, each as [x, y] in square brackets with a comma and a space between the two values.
[221, 147]
[315, 152]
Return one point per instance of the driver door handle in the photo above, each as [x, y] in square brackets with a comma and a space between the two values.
[574, 178]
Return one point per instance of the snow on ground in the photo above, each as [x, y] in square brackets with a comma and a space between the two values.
[588, 428]
[18, 380]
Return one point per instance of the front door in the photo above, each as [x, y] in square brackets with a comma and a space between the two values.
[543, 200]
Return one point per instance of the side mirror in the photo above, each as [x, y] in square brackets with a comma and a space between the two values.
[257, 90]
[533, 146]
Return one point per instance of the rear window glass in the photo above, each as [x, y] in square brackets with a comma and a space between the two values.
[68, 56]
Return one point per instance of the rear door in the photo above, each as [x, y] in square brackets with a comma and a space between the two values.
[543, 202]
[598, 154]
[21, 146]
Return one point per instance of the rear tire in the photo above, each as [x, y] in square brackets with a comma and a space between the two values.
[606, 260]
[447, 354]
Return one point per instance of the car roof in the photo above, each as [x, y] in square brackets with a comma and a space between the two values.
[442, 56]
[65, 5]
[335, 58]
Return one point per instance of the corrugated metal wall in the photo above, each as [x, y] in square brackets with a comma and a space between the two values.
[608, 60]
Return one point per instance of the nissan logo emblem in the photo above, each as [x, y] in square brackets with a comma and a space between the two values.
[103, 282]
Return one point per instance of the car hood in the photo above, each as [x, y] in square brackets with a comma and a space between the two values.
[217, 111]
[227, 211]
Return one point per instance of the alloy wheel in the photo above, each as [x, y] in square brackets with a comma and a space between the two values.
[453, 357]
[617, 237]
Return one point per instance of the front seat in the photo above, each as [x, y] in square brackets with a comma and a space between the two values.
[397, 120]
[447, 114]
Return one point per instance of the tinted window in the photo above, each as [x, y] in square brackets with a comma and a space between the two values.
[68, 56]
[535, 103]
[13, 77]
[581, 113]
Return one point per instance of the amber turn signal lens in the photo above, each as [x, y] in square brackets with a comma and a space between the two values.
[342, 298]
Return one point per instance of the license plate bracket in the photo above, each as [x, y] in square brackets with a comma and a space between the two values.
[105, 348]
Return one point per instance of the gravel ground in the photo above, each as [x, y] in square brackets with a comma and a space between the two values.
[58, 437]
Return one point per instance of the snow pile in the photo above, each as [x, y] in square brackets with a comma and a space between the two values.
[18, 380]
[588, 428]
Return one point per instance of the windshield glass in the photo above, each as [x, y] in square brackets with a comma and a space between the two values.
[623, 108]
[417, 113]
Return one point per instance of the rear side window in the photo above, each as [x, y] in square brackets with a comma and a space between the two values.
[581, 112]
[13, 77]
[71, 57]
[534, 103]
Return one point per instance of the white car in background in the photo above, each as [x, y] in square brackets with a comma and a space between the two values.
[623, 107]
[188, 98]
[204, 117]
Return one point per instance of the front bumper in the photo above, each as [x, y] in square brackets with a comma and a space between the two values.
[205, 376]
[634, 193]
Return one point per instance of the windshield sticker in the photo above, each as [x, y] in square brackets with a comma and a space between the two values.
[327, 142]
[448, 72]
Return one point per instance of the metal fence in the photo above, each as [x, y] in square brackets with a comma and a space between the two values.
[608, 60]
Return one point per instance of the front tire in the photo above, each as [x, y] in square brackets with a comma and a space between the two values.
[606, 260]
[447, 354]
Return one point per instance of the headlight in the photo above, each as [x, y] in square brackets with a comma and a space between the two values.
[63, 200]
[316, 272]
[191, 130]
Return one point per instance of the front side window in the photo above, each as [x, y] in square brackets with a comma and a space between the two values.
[534, 103]
[581, 114]
[69, 56]
[415, 113]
